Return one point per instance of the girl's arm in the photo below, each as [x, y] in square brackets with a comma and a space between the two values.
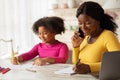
[63, 55]
[30, 54]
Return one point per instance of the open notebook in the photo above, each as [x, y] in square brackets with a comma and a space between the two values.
[68, 70]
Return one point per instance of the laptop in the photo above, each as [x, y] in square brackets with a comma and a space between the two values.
[110, 66]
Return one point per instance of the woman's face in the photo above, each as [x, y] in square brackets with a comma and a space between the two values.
[88, 25]
[45, 35]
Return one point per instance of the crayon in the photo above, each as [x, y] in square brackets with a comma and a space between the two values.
[13, 55]
[78, 61]
[5, 70]
[31, 70]
[1, 69]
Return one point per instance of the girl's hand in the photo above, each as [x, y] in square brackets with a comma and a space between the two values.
[81, 69]
[40, 62]
[14, 61]
[76, 40]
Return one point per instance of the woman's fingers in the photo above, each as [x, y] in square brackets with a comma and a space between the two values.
[82, 69]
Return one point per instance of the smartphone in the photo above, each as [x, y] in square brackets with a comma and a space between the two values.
[81, 33]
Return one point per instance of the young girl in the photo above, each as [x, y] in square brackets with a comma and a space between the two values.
[50, 50]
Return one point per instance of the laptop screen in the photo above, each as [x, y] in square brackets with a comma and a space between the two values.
[110, 66]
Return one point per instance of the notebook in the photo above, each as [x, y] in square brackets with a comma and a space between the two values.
[110, 66]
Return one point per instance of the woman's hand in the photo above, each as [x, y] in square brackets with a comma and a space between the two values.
[40, 61]
[81, 69]
[76, 40]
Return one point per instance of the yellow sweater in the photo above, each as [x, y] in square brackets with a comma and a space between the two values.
[91, 53]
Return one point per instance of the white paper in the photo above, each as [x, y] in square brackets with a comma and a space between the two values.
[68, 70]
[24, 65]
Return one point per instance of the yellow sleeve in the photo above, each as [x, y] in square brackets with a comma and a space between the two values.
[75, 55]
[112, 42]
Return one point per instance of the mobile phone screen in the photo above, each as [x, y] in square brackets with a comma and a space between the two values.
[81, 33]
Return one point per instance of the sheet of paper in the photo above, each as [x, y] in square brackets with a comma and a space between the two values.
[68, 70]
[22, 66]
[8, 64]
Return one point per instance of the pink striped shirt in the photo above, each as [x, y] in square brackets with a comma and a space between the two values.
[58, 51]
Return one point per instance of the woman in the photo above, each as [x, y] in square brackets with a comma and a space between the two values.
[100, 36]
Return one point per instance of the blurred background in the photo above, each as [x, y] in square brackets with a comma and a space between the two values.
[18, 16]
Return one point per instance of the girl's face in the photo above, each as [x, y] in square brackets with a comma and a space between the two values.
[88, 25]
[45, 35]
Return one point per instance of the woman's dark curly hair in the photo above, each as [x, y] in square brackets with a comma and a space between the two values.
[95, 11]
[53, 24]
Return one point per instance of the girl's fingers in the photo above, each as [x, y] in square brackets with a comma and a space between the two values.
[14, 61]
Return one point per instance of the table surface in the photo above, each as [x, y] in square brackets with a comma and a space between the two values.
[46, 72]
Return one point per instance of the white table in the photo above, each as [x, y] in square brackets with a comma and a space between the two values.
[46, 72]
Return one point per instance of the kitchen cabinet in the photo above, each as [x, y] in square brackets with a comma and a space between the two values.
[69, 16]
[64, 12]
